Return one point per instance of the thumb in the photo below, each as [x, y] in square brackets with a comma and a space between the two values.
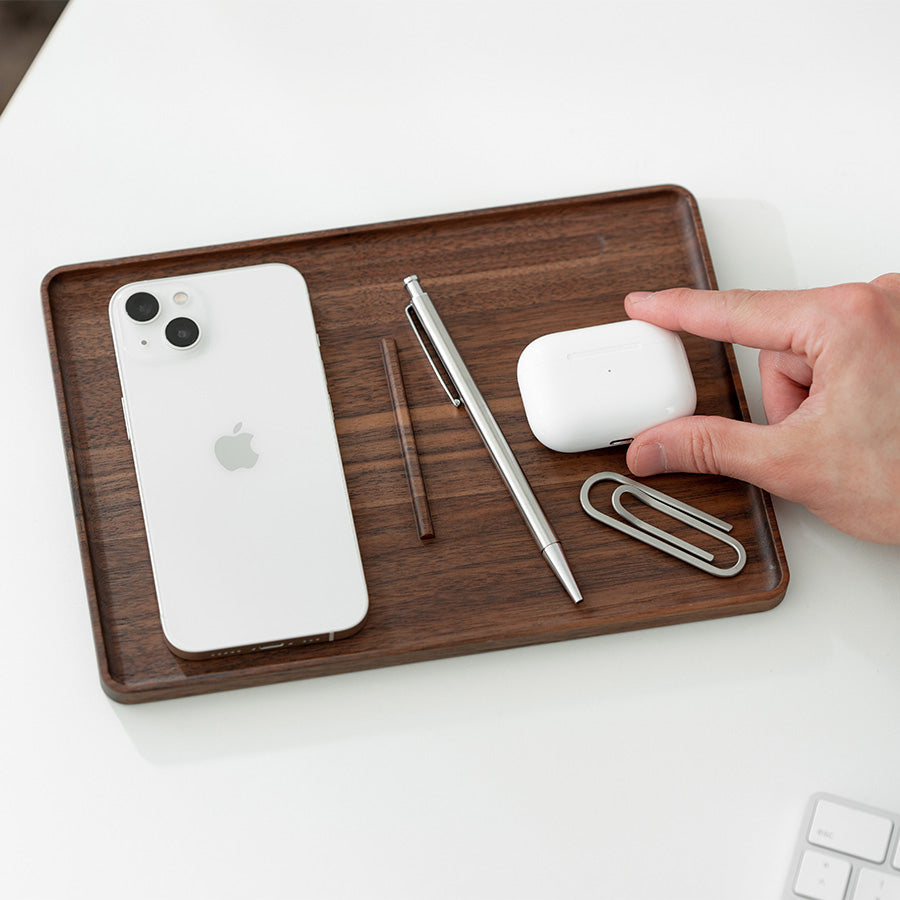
[711, 445]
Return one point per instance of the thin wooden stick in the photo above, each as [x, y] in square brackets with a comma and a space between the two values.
[407, 438]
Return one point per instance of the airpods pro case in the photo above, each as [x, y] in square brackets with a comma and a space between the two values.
[600, 386]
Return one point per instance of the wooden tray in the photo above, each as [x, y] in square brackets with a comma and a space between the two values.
[500, 278]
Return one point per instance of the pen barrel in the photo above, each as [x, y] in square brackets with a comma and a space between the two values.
[482, 418]
[510, 470]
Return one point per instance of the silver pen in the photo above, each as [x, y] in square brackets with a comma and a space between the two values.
[421, 309]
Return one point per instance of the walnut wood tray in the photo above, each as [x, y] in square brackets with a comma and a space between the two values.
[500, 278]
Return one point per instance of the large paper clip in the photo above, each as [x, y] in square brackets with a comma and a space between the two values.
[658, 538]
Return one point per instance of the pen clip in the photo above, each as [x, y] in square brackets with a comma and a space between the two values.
[422, 337]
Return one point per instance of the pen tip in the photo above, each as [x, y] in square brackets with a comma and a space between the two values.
[556, 559]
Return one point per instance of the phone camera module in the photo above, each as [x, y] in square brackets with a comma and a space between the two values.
[142, 307]
[182, 332]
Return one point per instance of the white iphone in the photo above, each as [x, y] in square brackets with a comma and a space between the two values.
[248, 519]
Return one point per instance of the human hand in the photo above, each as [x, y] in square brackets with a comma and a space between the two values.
[830, 377]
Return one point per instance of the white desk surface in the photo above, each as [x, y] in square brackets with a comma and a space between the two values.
[673, 763]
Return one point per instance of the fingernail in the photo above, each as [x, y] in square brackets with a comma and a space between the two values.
[650, 460]
[640, 296]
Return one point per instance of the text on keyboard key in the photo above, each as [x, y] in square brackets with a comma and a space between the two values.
[822, 877]
[874, 885]
[850, 831]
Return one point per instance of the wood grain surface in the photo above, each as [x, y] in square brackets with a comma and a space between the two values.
[499, 279]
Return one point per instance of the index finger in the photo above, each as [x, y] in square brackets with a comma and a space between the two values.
[767, 320]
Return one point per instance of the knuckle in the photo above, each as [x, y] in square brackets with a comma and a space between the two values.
[702, 449]
[741, 309]
[862, 310]
[890, 281]
[865, 302]
[860, 297]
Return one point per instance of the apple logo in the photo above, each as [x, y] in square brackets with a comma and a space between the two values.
[234, 451]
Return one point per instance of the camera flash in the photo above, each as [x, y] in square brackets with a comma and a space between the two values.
[180, 298]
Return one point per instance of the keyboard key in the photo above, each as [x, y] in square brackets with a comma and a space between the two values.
[846, 851]
[822, 877]
[874, 885]
[850, 831]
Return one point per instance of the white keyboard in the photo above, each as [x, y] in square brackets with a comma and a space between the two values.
[846, 851]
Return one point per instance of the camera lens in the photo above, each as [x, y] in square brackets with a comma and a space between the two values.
[142, 307]
[182, 332]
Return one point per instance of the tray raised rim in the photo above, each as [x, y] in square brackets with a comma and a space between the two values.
[266, 672]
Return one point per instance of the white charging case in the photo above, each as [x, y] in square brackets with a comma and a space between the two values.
[600, 386]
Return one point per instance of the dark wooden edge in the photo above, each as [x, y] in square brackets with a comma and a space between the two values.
[110, 685]
[277, 242]
[273, 673]
[777, 593]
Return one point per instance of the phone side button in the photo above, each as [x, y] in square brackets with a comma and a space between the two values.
[127, 423]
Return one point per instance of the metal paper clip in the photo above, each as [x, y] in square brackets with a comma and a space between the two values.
[658, 538]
